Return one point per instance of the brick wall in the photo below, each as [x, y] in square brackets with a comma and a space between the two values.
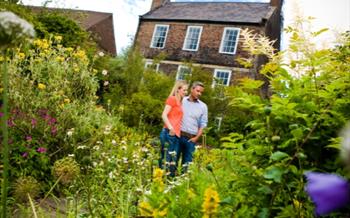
[208, 52]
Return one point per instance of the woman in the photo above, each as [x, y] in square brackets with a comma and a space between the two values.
[172, 116]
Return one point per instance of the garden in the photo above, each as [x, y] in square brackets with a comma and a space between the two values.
[80, 128]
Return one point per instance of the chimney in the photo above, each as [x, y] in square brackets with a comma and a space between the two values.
[276, 3]
[158, 3]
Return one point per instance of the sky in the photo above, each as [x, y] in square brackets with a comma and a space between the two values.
[332, 14]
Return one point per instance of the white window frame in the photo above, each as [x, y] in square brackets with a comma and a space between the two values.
[222, 70]
[223, 38]
[187, 35]
[178, 71]
[154, 33]
[149, 63]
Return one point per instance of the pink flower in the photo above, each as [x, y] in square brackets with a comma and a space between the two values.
[29, 138]
[25, 154]
[34, 122]
[41, 150]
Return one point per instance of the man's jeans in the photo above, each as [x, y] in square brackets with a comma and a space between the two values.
[187, 149]
[170, 145]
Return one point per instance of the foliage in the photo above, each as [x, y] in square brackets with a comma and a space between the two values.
[24, 186]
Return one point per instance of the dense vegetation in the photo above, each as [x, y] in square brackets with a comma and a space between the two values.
[83, 131]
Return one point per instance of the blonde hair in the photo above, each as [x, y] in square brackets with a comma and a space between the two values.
[178, 85]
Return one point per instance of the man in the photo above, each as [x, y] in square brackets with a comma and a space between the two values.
[195, 119]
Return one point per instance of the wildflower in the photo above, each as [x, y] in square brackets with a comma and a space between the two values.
[66, 100]
[101, 54]
[327, 191]
[104, 72]
[69, 49]
[211, 202]
[114, 142]
[41, 150]
[105, 83]
[70, 155]
[125, 160]
[123, 147]
[158, 177]
[21, 55]
[81, 147]
[96, 147]
[70, 132]
[145, 209]
[25, 154]
[59, 59]
[34, 122]
[53, 130]
[28, 138]
[58, 38]
[41, 86]
[111, 175]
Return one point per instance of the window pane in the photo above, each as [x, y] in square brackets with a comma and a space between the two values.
[183, 73]
[222, 77]
[192, 38]
[230, 40]
[159, 36]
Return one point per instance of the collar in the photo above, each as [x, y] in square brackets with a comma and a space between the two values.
[195, 101]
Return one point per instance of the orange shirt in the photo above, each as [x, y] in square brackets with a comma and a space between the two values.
[175, 114]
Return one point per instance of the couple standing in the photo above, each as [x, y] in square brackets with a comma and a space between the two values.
[184, 118]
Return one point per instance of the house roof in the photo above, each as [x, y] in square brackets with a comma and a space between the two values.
[225, 12]
[100, 23]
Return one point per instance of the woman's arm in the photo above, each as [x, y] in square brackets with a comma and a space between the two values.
[165, 113]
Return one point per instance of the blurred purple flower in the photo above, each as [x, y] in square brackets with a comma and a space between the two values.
[54, 130]
[41, 150]
[1, 114]
[29, 138]
[10, 123]
[25, 154]
[328, 191]
[34, 122]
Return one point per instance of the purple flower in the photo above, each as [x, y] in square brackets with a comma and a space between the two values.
[41, 150]
[54, 130]
[25, 154]
[1, 114]
[328, 191]
[29, 138]
[34, 122]
[10, 123]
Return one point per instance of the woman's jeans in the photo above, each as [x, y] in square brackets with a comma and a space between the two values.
[169, 150]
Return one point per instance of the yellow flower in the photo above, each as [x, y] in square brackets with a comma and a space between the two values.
[159, 213]
[58, 38]
[69, 49]
[41, 86]
[211, 202]
[66, 100]
[21, 55]
[60, 59]
[145, 208]
[158, 174]
[2, 58]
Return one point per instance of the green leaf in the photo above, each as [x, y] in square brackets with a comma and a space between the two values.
[227, 201]
[278, 155]
[274, 173]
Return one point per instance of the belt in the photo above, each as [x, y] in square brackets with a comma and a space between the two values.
[188, 135]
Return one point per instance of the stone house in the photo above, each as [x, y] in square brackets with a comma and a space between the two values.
[206, 34]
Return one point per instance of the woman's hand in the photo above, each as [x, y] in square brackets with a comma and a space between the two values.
[171, 132]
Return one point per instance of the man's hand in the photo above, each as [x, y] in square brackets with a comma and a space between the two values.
[171, 132]
[194, 139]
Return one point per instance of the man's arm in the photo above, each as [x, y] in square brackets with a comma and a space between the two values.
[203, 122]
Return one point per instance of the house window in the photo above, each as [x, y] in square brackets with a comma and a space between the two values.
[229, 40]
[222, 77]
[183, 72]
[150, 66]
[159, 36]
[193, 36]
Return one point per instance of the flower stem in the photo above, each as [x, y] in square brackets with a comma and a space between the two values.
[4, 128]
